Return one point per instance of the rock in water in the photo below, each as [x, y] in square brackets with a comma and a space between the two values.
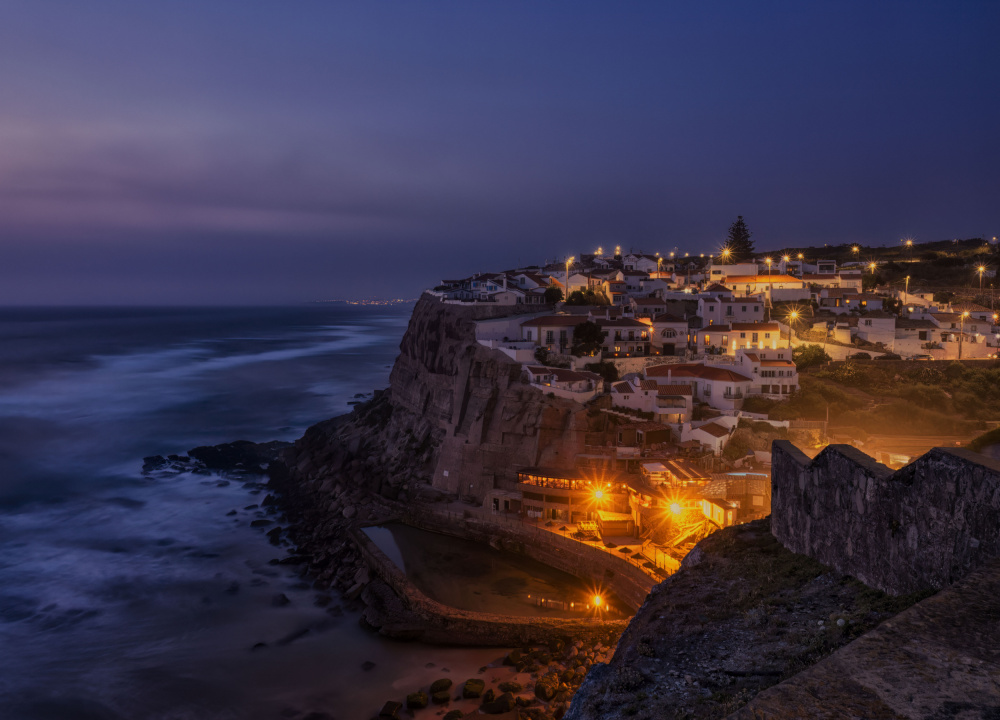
[416, 701]
[442, 684]
[473, 688]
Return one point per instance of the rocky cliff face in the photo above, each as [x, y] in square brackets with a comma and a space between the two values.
[456, 416]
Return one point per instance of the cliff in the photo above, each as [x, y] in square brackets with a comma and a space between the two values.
[456, 416]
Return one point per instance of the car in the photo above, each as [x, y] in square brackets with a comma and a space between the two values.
[921, 357]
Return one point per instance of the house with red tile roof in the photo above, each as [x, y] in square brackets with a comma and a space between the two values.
[719, 387]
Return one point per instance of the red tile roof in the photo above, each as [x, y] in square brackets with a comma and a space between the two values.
[553, 321]
[714, 429]
[696, 370]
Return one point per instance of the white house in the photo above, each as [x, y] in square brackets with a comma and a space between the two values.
[728, 338]
[580, 386]
[716, 311]
[719, 387]
[669, 335]
[670, 404]
[773, 373]
[712, 435]
[625, 337]
[553, 332]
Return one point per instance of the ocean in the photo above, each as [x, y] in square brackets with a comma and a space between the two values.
[125, 597]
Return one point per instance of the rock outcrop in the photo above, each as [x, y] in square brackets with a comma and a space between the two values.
[456, 417]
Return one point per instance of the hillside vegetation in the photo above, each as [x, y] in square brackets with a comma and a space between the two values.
[909, 399]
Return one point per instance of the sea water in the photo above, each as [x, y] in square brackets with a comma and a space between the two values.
[126, 597]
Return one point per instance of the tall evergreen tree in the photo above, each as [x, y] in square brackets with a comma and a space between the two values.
[738, 241]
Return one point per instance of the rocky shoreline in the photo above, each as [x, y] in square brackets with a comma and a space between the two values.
[314, 522]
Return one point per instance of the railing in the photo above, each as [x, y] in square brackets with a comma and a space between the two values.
[738, 395]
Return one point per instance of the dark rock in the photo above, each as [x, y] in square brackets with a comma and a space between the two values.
[441, 698]
[442, 684]
[454, 715]
[416, 701]
[390, 711]
[231, 512]
[259, 523]
[510, 687]
[153, 462]
[489, 696]
[504, 703]
[473, 688]
[280, 600]
[239, 454]
[367, 665]
[258, 646]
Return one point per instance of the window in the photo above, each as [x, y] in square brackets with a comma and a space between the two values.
[868, 323]
[743, 309]
[528, 334]
[743, 336]
[754, 338]
[668, 333]
[549, 339]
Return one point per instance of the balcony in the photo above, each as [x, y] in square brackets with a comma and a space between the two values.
[732, 395]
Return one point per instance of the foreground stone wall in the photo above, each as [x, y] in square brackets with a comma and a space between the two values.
[922, 527]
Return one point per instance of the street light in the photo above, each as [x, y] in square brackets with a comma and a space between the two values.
[792, 317]
[961, 338]
[768, 261]
[675, 508]
[569, 261]
[981, 269]
[726, 254]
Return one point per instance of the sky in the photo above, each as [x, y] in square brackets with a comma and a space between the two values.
[272, 152]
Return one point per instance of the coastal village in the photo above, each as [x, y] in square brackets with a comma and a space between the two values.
[677, 356]
[743, 454]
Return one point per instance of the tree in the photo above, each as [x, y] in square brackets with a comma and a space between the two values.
[607, 370]
[553, 294]
[738, 240]
[587, 338]
[587, 297]
[808, 355]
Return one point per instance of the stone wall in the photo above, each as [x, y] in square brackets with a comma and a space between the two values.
[604, 570]
[922, 527]
[406, 613]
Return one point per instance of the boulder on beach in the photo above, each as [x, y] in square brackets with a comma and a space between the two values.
[390, 711]
[442, 684]
[504, 703]
[454, 715]
[489, 696]
[473, 688]
[441, 698]
[510, 686]
[416, 701]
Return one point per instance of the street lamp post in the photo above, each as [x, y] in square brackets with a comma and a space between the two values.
[981, 269]
[767, 261]
[569, 261]
[961, 337]
[792, 317]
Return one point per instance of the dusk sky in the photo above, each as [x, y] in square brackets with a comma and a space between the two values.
[265, 152]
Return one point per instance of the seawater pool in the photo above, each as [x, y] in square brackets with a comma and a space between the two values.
[471, 576]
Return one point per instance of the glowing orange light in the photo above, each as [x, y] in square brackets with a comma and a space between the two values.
[599, 494]
[675, 508]
[598, 600]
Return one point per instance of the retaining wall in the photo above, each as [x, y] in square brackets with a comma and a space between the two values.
[408, 614]
[922, 527]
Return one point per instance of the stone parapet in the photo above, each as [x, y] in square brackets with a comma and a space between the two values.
[922, 527]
